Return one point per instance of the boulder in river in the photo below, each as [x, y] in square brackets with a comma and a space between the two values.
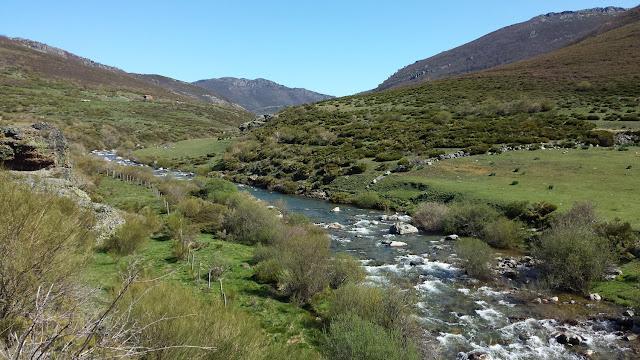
[401, 228]
[452, 237]
[595, 297]
[397, 244]
[336, 209]
[569, 339]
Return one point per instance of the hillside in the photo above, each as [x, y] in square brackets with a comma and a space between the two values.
[99, 105]
[186, 89]
[540, 35]
[554, 98]
[260, 96]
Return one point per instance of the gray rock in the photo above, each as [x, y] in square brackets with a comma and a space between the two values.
[595, 297]
[400, 228]
[452, 237]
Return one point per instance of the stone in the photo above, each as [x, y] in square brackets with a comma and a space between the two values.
[336, 209]
[569, 339]
[452, 237]
[400, 228]
[477, 355]
[397, 244]
[537, 301]
[335, 226]
[554, 299]
[595, 297]
[628, 312]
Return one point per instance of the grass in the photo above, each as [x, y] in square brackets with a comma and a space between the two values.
[126, 196]
[284, 322]
[625, 290]
[598, 175]
[184, 154]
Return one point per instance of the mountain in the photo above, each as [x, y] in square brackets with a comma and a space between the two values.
[186, 89]
[260, 96]
[540, 35]
[345, 145]
[102, 106]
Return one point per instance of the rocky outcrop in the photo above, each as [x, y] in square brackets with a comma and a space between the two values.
[257, 122]
[35, 147]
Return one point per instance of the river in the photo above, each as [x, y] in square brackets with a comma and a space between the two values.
[464, 315]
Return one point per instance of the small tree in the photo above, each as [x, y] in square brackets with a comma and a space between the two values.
[504, 234]
[430, 216]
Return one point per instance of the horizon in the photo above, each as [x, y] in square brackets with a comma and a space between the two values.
[295, 49]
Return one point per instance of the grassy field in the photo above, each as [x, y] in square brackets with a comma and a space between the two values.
[606, 177]
[625, 290]
[284, 322]
[185, 154]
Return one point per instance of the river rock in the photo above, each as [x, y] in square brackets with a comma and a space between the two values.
[452, 237]
[400, 228]
[554, 299]
[628, 312]
[476, 355]
[336, 209]
[335, 226]
[397, 244]
[595, 297]
[630, 337]
[569, 339]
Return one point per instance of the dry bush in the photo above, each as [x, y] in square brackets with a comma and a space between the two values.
[430, 216]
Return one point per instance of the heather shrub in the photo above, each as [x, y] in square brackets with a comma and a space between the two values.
[504, 234]
[344, 269]
[469, 219]
[251, 223]
[476, 256]
[129, 237]
[430, 216]
[350, 337]
[573, 255]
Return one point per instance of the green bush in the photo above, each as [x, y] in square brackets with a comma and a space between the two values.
[252, 223]
[469, 218]
[388, 307]
[344, 269]
[476, 256]
[209, 217]
[573, 256]
[177, 324]
[351, 337]
[268, 271]
[370, 200]
[430, 216]
[504, 234]
[620, 236]
[129, 237]
[388, 156]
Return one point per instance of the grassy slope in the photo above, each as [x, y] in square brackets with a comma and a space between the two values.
[491, 107]
[284, 322]
[597, 175]
[625, 290]
[184, 154]
[99, 107]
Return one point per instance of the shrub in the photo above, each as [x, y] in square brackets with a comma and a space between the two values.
[370, 200]
[358, 168]
[182, 232]
[430, 216]
[584, 86]
[268, 271]
[388, 307]
[351, 337]
[573, 256]
[43, 240]
[476, 256]
[581, 214]
[218, 190]
[468, 218]
[442, 117]
[252, 223]
[209, 217]
[388, 156]
[177, 324]
[504, 234]
[129, 237]
[345, 269]
[620, 236]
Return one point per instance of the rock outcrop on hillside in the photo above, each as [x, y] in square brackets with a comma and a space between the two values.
[35, 147]
[38, 156]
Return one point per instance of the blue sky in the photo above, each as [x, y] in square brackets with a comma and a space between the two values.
[335, 47]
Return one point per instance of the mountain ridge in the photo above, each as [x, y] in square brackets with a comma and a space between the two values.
[539, 35]
[260, 95]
